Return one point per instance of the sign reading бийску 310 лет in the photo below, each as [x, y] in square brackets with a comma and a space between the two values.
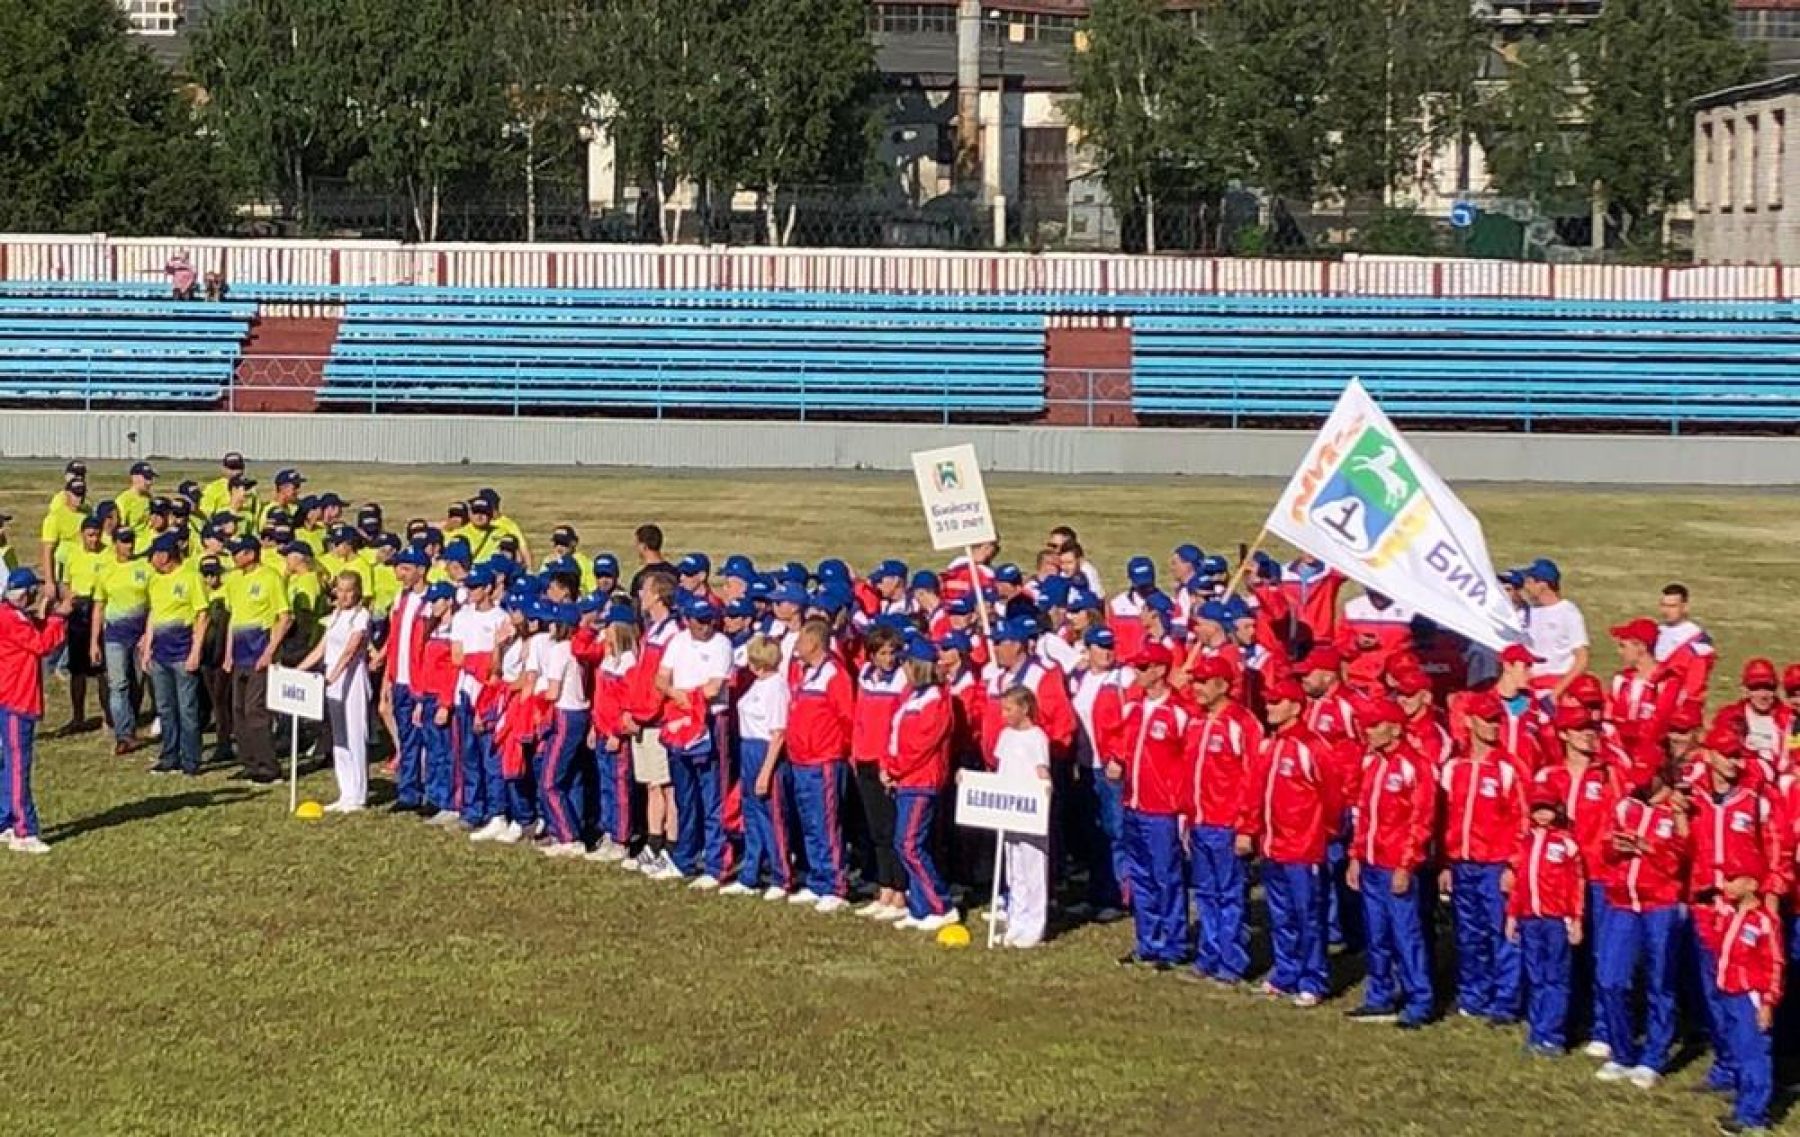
[955, 502]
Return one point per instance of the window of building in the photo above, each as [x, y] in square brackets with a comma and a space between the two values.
[1703, 183]
[1752, 166]
[1776, 145]
[1728, 167]
[153, 17]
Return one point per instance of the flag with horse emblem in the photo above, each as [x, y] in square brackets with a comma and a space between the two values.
[1365, 503]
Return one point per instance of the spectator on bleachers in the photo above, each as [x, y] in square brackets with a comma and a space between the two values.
[215, 287]
[180, 271]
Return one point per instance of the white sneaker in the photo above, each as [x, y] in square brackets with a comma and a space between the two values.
[933, 923]
[909, 923]
[349, 807]
[1597, 1049]
[7, 838]
[736, 889]
[565, 849]
[32, 845]
[1643, 1077]
[635, 864]
[491, 831]
[666, 870]
[889, 913]
[873, 908]
[511, 833]
[335, 807]
[443, 818]
[774, 892]
[1306, 1000]
[608, 850]
[830, 904]
[804, 896]
[1612, 1072]
[538, 828]
[705, 882]
[155, 728]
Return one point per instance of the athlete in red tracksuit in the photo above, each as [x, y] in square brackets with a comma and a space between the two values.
[818, 742]
[1483, 812]
[916, 768]
[1227, 739]
[1748, 976]
[1543, 917]
[1331, 719]
[1640, 929]
[27, 638]
[1395, 811]
[1155, 768]
[1015, 666]
[435, 688]
[881, 685]
[1288, 810]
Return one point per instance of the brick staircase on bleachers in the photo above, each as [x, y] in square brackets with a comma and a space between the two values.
[283, 364]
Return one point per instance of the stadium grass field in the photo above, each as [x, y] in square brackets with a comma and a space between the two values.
[191, 961]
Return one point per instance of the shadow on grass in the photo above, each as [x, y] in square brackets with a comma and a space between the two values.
[146, 809]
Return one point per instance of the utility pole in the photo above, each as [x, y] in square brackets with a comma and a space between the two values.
[968, 96]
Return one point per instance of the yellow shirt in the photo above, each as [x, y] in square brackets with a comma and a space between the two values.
[177, 600]
[330, 566]
[123, 586]
[215, 498]
[62, 527]
[134, 510]
[306, 600]
[312, 537]
[255, 601]
[483, 543]
[272, 557]
[386, 589]
[81, 570]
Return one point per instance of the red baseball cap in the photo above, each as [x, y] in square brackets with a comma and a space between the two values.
[1641, 629]
[1685, 717]
[1212, 667]
[1518, 653]
[1575, 717]
[1321, 659]
[1790, 678]
[1408, 680]
[1153, 655]
[1721, 739]
[1586, 690]
[1374, 712]
[1760, 673]
[1484, 705]
[1285, 691]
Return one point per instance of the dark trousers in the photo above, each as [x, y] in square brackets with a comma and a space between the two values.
[217, 683]
[251, 723]
[879, 816]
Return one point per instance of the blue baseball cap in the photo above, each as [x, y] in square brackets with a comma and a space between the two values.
[760, 588]
[606, 565]
[830, 600]
[386, 541]
[925, 581]
[21, 578]
[344, 535]
[482, 577]
[796, 572]
[740, 567]
[1053, 592]
[1237, 608]
[694, 564]
[503, 566]
[1189, 554]
[621, 613]
[1216, 612]
[833, 569]
[741, 608]
[565, 536]
[1009, 574]
[296, 548]
[1544, 569]
[703, 611]
[1141, 571]
[886, 570]
[962, 606]
[143, 470]
[1083, 600]
[562, 566]
[1513, 577]
[289, 477]
[91, 521]
[430, 535]
[412, 557]
[789, 593]
[956, 641]
[1214, 566]
[246, 545]
[921, 649]
[1013, 632]
[442, 590]
[124, 536]
[457, 552]
[564, 613]
[329, 500]
[1101, 637]
[591, 603]
[1159, 603]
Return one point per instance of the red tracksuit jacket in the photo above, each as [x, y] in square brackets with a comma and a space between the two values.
[1751, 961]
[1652, 880]
[1737, 717]
[612, 687]
[918, 752]
[820, 716]
[1547, 879]
[24, 642]
[1158, 738]
[1226, 742]
[1290, 809]
[1738, 833]
[1484, 808]
[1396, 804]
[436, 674]
[878, 697]
[414, 645]
[1588, 800]
[967, 703]
[643, 701]
[1640, 705]
[1055, 716]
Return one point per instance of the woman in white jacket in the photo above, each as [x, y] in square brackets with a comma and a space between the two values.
[343, 652]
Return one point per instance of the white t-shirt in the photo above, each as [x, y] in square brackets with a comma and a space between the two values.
[1555, 633]
[1020, 754]
[556, 664]
[341, 627]
[692, 665]
[763, 709]
[1055, 649]
[1672, 636]
[512, 660]
[1760, 734]
[409, 609]
[475, 631]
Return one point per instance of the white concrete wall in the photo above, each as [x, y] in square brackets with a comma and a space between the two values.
[1746, 182]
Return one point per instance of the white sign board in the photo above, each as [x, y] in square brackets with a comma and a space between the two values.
[297, 693]
[956, 504]
[990, 801]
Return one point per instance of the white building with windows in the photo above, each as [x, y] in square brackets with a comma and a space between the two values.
[1746, 174]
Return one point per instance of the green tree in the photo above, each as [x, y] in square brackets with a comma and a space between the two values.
[1532, 129]
[93, 134]
[811, 85]
[1273, 90]
[277, 78]
[1642, 61]
[546, 56]
[649, 69]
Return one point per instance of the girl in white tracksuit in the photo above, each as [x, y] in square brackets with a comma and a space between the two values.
[1022, 752]
[343, 651]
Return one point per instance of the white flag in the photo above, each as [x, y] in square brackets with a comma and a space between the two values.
[1365, 503]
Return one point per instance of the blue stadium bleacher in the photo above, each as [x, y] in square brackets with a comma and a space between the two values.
[107, 349]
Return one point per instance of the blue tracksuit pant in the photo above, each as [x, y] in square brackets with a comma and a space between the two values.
[1398, 974]
[18, 746]
[558, 765]
[1630, 941]
[1752, 1063]
[409, 750]
[1586, 990]
[1487, 963]
[440, 759]
[1158, 903]
[1104, 804]
[1723, 1075]
[926, 893]
[1548, 964]
[612, 777]
[471, 766]
[1296, 898]
[818, 796]
[766, 859]
[1216, 879]
[512, 798]
[699, 819]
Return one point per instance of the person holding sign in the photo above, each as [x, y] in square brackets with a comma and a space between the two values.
[344, 653]
[1022, 752]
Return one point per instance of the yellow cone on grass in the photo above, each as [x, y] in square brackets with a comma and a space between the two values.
[953, 936]
[309, 811]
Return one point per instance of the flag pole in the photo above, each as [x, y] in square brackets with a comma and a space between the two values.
[975, 582]
[1237, 577]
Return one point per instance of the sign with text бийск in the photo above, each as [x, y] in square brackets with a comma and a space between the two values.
[955, 502]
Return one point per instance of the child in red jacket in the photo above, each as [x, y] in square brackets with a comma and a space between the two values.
[1543, 916]
[1749, 981]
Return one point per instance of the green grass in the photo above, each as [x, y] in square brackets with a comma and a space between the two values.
[190, 961]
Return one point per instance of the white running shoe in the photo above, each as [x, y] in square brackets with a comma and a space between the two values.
[635, 864]
[565, 850]
[32, 845]
[804, 896]
[774, 892]
[443, 818]
[909, 923]
[1597, 1049]
[1612, 1072]
[608, 850]
[511, 833]
[491, 831]
[1643, 1077]
[889, 913]
[335, 807]
[1306, 1000]
[736, 889]
[666, 870]
[538, 828]
[705, 882]
[933, 923]
[830, 904]
[873, 908]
